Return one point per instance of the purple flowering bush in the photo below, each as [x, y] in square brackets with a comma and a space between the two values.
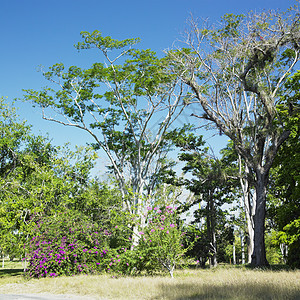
[66, 244]
[161, 240]
[121, 261]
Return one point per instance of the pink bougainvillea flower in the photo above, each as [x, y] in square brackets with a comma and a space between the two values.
[172, 225]
[141, 232]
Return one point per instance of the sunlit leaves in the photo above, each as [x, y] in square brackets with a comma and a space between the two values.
[95, 39]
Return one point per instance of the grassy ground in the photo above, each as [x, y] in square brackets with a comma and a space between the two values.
[219, 283]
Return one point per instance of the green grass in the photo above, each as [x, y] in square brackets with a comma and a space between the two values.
[224, 282]
[11, 273]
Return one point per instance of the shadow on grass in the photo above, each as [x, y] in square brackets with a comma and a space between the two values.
[187, 291]
[272, 268]
[11, 272]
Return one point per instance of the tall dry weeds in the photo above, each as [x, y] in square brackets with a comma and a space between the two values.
[230, 283]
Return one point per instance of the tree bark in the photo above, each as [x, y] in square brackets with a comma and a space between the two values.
[249, 207]
[249, 212]
[242, 248]
[284, 252]
[211, 230]
[233, 254]
[214, 246]
[259, 258]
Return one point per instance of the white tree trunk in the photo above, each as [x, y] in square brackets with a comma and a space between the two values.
[233, 254]
[248, 203]
[250, 241]
[242, 248]
[284, 252]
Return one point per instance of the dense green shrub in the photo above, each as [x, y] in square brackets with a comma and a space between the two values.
[161, 240]
[68, 244]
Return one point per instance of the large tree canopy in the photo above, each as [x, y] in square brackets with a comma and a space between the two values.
[236, 71]
[126, 108]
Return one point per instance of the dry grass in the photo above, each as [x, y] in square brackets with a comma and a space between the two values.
[221, 283]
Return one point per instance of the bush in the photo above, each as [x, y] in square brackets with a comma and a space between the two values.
[66, 244]
[69, 244]
[161, 241]
[160, 245]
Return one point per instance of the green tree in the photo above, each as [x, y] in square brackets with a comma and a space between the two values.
[244, 208]
[211, 183]
[126, 108]
[284, 195]
[161, 240]
[16, 166]
[13, 135]
[236, 72]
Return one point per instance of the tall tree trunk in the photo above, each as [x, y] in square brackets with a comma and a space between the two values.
[233, 254]
[249, 206]
[140, 224]
[259, 251]
[284, 252]
[249, 212]
[242, 247]
[212, 230]
[214, 248]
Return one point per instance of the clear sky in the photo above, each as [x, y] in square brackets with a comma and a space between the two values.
[40, 32]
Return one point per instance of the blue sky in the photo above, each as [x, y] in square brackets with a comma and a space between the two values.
[38, 32]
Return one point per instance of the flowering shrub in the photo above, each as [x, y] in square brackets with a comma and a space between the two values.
[66, 244]
[69, 244]
[161, 240]
[121, 261]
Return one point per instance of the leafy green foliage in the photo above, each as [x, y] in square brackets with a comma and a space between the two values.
[126, 104]
[212, 185]
[122, 107]
[95, 39]
[161, 243]
[244, 63]
[284, 195]
[66, 243]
